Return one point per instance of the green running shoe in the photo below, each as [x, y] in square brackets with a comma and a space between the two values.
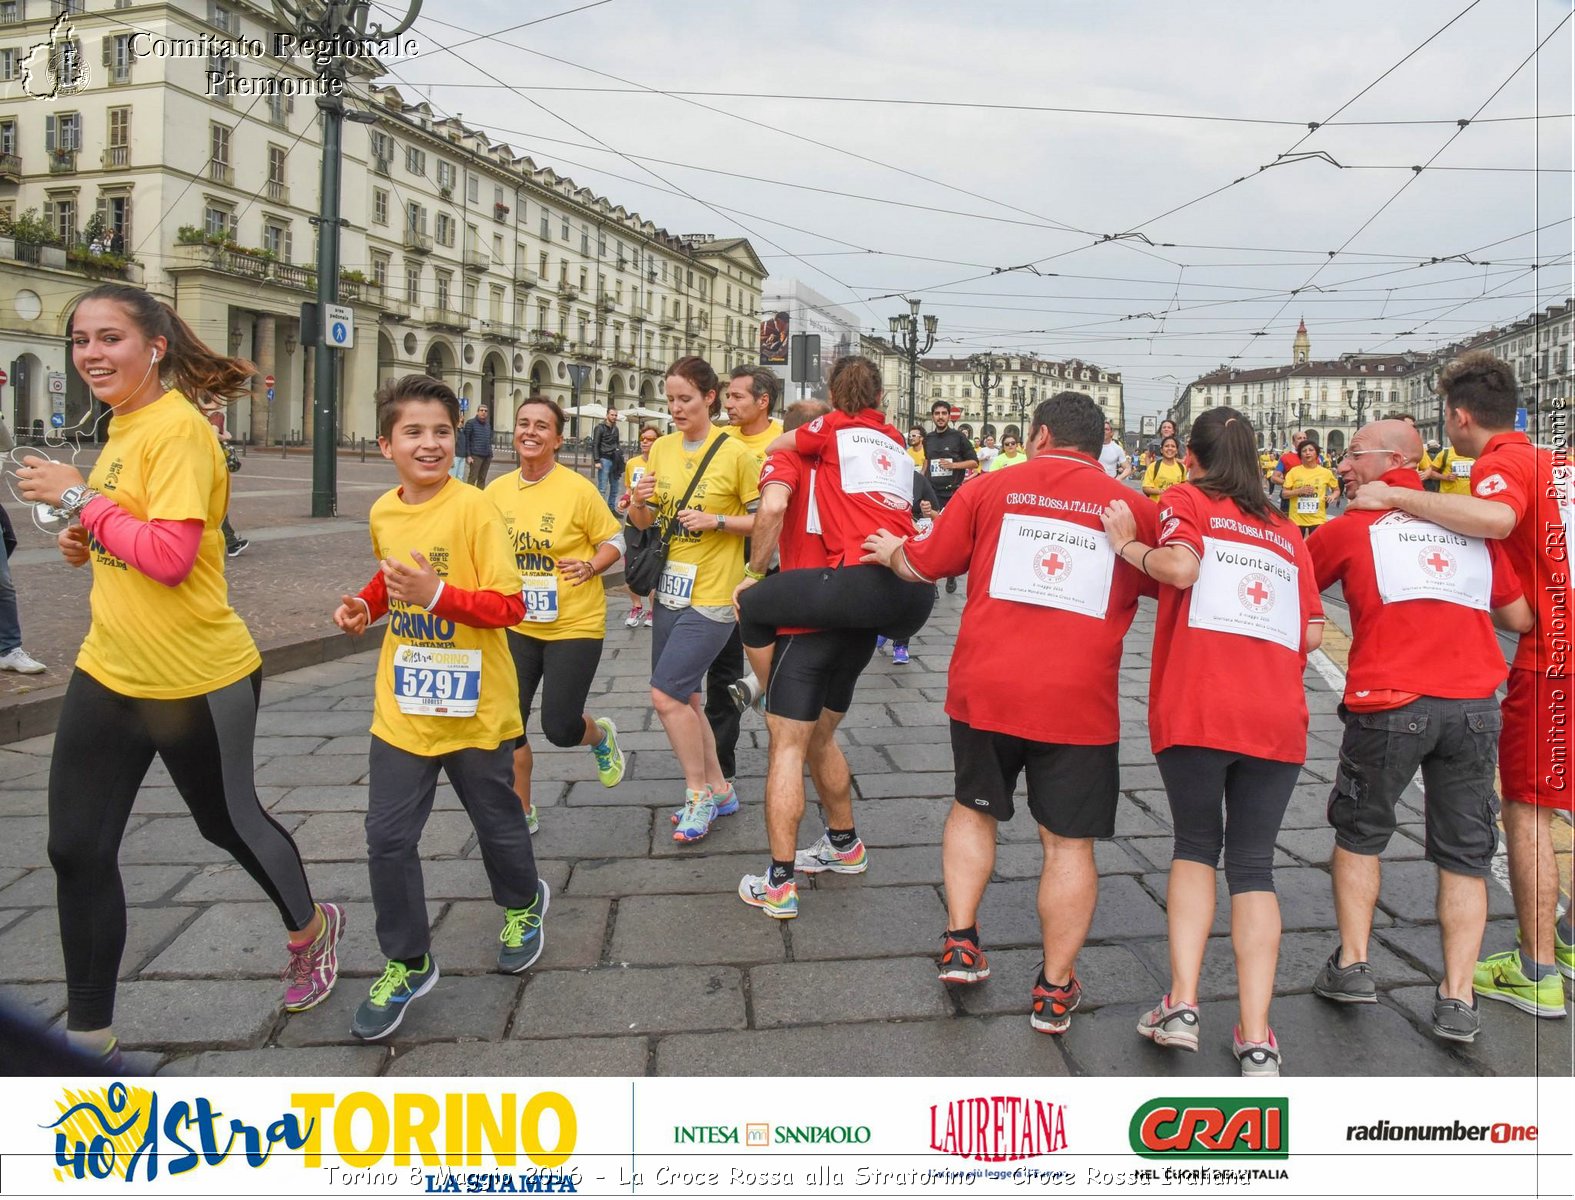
[522, 936]
[382, 1011]
[1499, 977]
[609, 759]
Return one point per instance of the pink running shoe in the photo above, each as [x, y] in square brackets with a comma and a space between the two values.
[314, 967]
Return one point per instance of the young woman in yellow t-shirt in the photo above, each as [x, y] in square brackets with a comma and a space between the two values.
[1308, 486]
[168, 668]
[641, 608]
[1166, 471]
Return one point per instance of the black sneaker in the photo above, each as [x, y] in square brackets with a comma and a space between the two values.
[382, 1011]
[234, 549]
[1455, 1020]
[1346, 985]
[951, 584]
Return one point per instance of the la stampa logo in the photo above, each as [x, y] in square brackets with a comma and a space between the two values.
[54, 68]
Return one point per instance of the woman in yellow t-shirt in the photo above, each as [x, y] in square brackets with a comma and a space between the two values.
[1166, 471]
[705, 562]
[641, 608]
[564, 537]
[168, 668]
[1308, 486]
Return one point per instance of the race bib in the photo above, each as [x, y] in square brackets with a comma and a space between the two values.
[1307, 505]
[874, 465]
[939, 472]
[1053, 564]
[676, 588]
[541, 597]
[1247, 591]
[437, 683]
[1460, 468]
[635, 475]
[1417, 560]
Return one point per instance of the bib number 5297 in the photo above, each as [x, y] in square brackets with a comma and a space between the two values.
[429, 683]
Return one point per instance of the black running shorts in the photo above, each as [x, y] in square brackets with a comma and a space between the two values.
[1072, 790]
[811, 672]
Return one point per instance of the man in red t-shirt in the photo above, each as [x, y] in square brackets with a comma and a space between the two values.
[1521, 497]
[1419, 694]
[1042, 573]
[813, 675]
[1289, 459]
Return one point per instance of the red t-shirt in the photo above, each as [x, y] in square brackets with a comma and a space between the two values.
[1021, 666]
[1514, 472]
[798, 548]
[1423, 646]
[862, 484]
[1229, 651]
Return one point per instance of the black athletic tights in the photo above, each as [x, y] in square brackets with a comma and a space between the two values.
[865, 596]
[103, 748]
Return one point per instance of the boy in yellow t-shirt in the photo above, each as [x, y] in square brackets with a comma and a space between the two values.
[445, 696]
[1308, 486]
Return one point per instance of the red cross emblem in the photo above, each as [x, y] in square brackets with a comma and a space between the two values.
[1256, 593]
[884, 463]
[1052, 566]
[1438, 562]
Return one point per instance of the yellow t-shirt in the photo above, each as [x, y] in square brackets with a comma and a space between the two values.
[756, 442]
[1320, 477]
[732, 481]
[1162, 475]
[637, 463]
[917, 454]
[461, 534]
[1456, 472]
[146, 640]
[560, 516]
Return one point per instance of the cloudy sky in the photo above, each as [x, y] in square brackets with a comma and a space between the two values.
[947, 152]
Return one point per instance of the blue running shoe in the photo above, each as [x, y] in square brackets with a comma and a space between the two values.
[695, 821]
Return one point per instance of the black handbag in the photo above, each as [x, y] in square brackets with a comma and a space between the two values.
[232, 460]
[643, 565]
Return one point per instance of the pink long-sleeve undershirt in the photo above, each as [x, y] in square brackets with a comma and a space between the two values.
[164, 551]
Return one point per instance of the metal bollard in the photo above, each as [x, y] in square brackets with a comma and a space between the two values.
[363, 449]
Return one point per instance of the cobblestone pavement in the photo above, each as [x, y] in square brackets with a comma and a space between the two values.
[652, 964]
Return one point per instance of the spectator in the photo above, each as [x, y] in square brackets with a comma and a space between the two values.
[476, 437]
[214, 411]
[12, 656]
[607, 454]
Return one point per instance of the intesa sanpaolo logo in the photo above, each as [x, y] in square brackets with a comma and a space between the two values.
[998, 1128]
[1212, 1127]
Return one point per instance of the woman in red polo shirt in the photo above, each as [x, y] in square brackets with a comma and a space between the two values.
[1227, 714]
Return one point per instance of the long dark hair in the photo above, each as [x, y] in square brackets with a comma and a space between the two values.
[188, 364]
[1225, 446]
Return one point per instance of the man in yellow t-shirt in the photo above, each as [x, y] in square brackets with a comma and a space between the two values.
[564, 537]
[1308, 486]
[445, 697]
[1452, 471]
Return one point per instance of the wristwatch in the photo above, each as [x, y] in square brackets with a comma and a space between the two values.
[74, 499]
[721, 521]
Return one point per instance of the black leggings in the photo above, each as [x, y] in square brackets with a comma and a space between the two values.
[1256, 792]
[104, 744]
[569, 667]
[865, 596]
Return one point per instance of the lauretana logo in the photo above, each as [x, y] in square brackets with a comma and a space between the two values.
[1212, 1127]
[998, 1128]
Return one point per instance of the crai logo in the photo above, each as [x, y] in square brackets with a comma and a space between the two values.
[1212, 1127]
[54, 69]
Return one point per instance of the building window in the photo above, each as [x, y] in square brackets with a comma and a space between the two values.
[445, 178]
[218, 220]
[10, 10]
[546, 225]
[117, 153]
[63, 218]
[7, 137]
[10, 65]
[219, 169]
[224, 17]
[415, 217]
[279, 110]
[380, 265]
[118, 57]
[278, 188]
[276, 239]
[412, 284]
[473, 189]
[444, 283]
[585, 241]
[565, 227]
[469, 308]
[443, 229]
[219, 67]
[415, 160]
[380, 206]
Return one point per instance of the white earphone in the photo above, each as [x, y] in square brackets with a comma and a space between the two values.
[155, 357]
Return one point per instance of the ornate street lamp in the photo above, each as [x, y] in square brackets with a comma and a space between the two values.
[1357, 402]
[987, 374]
[905, 337]
[343, 25]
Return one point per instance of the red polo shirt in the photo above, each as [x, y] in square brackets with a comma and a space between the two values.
[798, 548]
[848, 518]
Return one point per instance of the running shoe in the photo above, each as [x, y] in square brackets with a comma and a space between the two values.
[881, 643]
[235, 549]
[650, 618]
[1168, 1024]
[823, 856]
[632, 621]
[1563, 953]
[609, 759]
[382, 1011]
[1499, 977]
[1346, 985]
[1258, 1059]
[1053, 1006]
[522, 937]
[779, 902]
[695, 821]
[20, 661]
[726, 804]
[314, 967]
[962, 961]
[899, 656]
[532, 821]
[744, 693]
[1455, 1020]
[951, 585]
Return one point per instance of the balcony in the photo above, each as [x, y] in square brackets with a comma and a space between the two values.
[622, 363]
[395, 308]
[666, 322]
[116, 156]
[263, 269]
[278, 191]
[524, 277]
[10, 168]
[691, 329]
[477, 260]
[62, 162]
[500, 212]
[542, 339]
[500, 331]
[569, 291]
[219, 172]
[445, 318]
[417, 241]
[588, 351]
[606, 304]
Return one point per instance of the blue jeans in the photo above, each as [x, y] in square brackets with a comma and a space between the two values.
[10, 615]
[607, 481]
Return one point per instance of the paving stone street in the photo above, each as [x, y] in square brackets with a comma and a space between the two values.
[652, 964]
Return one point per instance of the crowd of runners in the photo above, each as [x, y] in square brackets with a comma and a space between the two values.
[773, 556]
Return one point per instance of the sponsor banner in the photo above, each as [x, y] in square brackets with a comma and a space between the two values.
[822, 1137]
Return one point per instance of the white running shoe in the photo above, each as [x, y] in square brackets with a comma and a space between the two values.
[20, 661]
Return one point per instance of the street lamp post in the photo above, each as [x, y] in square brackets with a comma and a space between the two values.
[987, 374]
[341, 24]
[1357, 402]
[905, 337]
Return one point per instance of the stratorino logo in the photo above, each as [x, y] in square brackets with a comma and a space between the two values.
[1212, 1127]
[1385, 1131]
[998, 1128]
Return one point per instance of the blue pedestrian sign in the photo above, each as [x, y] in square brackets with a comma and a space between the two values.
[339, 325]
[339, 332]
[58, 420]
[464, 404]
[270, 395]
[1520, 420]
